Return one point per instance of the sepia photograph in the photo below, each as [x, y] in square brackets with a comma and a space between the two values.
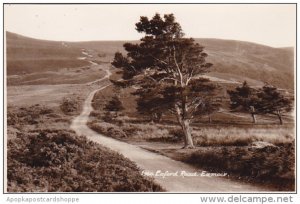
[159, 98]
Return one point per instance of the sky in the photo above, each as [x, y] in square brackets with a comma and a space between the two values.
[269, 24]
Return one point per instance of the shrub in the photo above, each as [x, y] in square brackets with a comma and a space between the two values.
[58, 160]
[12, 118]
[177, 134]
[69, 105]
[108, 117]
[96, 114]
[174, 135]
[114, 105]
[27, 115]
[265, 164]
[107, 129]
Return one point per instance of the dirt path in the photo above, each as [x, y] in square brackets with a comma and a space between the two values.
[108, 73]
[152, 162]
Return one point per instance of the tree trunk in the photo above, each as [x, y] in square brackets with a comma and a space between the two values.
[156, 117]
[279, 117]
[159, 117]
[253, 118]
[188, 140]
[185, 124]
[252, 111]
[153, 118]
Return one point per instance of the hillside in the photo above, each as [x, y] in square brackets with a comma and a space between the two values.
[234, 61]
[28, 55]
[241, 60]
[35, 62]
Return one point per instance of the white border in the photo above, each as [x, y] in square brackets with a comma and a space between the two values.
[130, 198]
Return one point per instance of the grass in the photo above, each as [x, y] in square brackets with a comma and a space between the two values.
[27, 55]
[129, 101]
[36, 62]
[47, 95]
[78, 74]
[217, 135]
[241, 136]
[25, 66]
[227, 129]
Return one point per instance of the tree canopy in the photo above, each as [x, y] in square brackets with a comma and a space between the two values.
[244, 98]
[168, 68]
[266, 100]
[274, 102]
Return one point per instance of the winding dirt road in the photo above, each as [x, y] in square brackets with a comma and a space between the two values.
[153, 163]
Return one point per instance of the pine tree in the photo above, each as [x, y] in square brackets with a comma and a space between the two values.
[273, 102]
[245, 99]
[114, 105]
[169, 65]
[208, 107]
[148, 103]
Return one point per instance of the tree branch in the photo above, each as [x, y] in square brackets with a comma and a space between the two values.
[172, 111]
[166, 78]
[194, 104]
[177, 66]
[159, 60]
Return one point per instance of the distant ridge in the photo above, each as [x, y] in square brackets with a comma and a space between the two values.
[232, 59]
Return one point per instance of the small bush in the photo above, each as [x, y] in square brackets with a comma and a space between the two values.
[69, 105]
[108, 117]
[174, 135]
[131, 129]
[108, 129]
[96, 114]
